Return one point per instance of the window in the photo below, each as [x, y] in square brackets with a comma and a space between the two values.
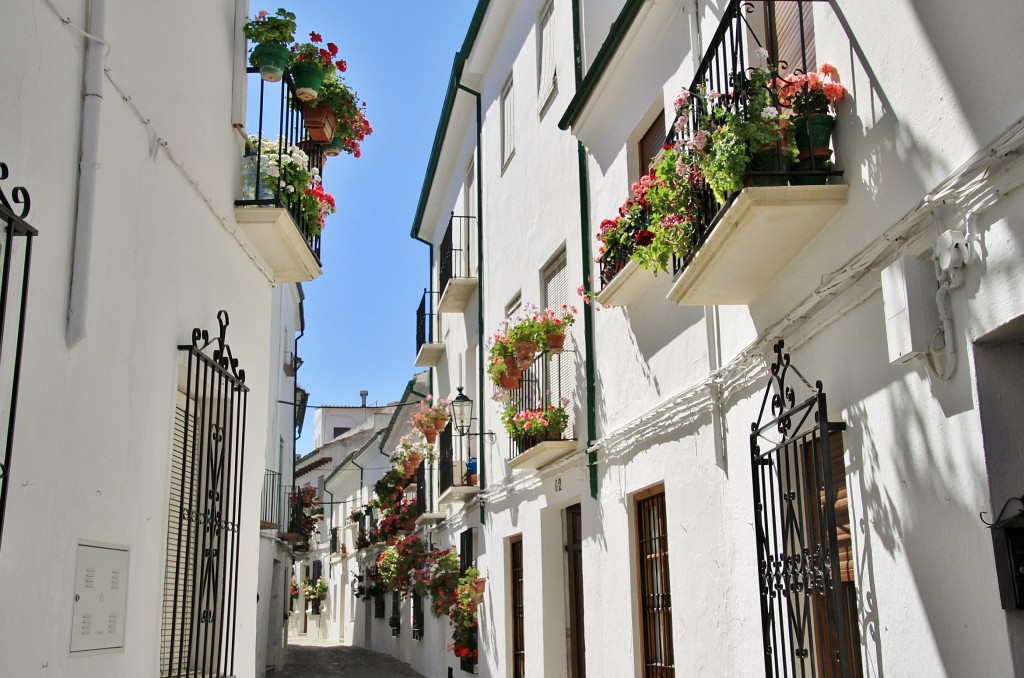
[341, 430]
[545, 56]
[655, 592]
[788, 19]
[508, 128]
[559, 376]
[516, 592]
[650, 144]
[417, 616]
[513, 305]
[466, 560]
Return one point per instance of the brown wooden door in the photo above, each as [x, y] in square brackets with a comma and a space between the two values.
[574, 565]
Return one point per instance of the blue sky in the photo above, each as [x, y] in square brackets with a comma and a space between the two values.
[361, 313]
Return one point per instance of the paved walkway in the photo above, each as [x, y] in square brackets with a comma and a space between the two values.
[324, 659]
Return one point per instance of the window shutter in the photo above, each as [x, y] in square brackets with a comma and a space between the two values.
[546, 55]
[787, 28]
[176, 627]
[560, 377]
[651, 143]
[508, 136]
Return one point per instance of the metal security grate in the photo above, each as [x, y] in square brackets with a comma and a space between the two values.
[655, 590]
[518, 630]
[201, 577]
[16, 249]
[804, 616]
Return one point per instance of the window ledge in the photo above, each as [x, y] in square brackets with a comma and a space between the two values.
[542, 454]
[277, 239]
[755, 239]
[457, 494]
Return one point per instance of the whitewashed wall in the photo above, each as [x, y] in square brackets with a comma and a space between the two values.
[94, 428]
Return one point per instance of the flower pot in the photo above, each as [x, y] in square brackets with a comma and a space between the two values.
[513, 371]
[556, 342]
[334, 147]
[479, 584]
[770, 159]
[508, 383]
[813, 134]
[415, 458]
[810, 179]
[440, 424]
[471, 479]
[307, 79]
[430, 435]
[526, 351]
[510, 363]
[392, 540]
[320, 122]
[271, 58]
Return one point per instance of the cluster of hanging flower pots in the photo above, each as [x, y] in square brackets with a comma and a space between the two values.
[515, 345]
[333, 114]
[430, 417]
[409, 566]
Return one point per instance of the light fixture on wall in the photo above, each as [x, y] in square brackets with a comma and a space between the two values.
[462, 415]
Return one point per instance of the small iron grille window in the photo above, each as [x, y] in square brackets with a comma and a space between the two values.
[655, 591]
[378, 603]
[518, 630]
[417, 616]
[201, 574]
[466, 559]
[395, 621]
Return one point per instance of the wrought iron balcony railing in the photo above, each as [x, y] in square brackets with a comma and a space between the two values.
[613, 262]
[424, 323]
[280, 119]
[454, 257]
[272, 501]
[545, 383]
[455, 468]
[746, 27]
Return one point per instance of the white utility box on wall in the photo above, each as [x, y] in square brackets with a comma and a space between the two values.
[911, 311]
[101, 587]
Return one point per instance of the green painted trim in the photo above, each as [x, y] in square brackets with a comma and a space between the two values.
[588, 310]
[446, 113]
[616, 34]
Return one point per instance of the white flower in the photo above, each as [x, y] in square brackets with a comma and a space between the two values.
[273, 170]
[291, 189]
[770, 113]
[314, 171]
[762, 53]
[282, 184]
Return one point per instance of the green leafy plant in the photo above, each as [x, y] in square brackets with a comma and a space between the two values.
[353, 127]
[553, 321]
[463, 617]
[271, 28]
[396, 563]
[409, 445]
[314, 591]
[285, 169]
[313, 54]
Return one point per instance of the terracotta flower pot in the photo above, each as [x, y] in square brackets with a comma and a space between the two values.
[510, 363]
[508, 383]
[556, 342]
[440, 424]
[513, 372]
[415, 458]
[479, 584]
[320, 122]
[526, 351]
[431, 435]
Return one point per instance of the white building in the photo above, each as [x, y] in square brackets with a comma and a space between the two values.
[882, 568]
[158, 318]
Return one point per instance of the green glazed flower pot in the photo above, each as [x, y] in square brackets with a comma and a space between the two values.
[771, 160]
[271, 58]
[307, 79]
[335, 147]
[813, 135]
[810, 179]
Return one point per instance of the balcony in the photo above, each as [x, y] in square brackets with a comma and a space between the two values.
[428, 352]
[457, 477]
[455, 266]
[548, 381]
[742, 242]
[286, 241]
[272, 501]
[425, 513]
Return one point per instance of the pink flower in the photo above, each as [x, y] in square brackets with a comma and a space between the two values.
[829, 70]
[700, 139]
[262, 14]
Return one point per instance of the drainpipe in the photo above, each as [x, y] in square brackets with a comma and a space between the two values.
[588, 311]
[88, 174]
[482, 471]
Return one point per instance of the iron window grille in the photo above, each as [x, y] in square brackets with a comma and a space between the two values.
[417, 616]
[805, 594]
[655, 587]
[201, 577]
[452, 468]
[271, 501]
[287, 125]
[14, 279]
[466, 559]
[518, 627]
[395, 620]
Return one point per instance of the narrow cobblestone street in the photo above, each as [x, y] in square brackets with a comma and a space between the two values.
[323, 659]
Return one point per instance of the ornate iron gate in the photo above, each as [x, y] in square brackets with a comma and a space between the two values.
[802, 616]
[201, 580]
[16, 249]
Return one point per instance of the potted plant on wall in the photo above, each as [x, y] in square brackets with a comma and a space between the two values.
[553, 324]
[315, 593]
[271, 34]
[310, 63]
[463, 617]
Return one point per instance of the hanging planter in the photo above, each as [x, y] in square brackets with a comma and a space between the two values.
[335, 147]
[507, 382]
[440, 424]
[430, 435]
[320, 123]
[510, 362]
[307, 79]
[514, 371]
[526, 351]
[270, 58]
[556, 342]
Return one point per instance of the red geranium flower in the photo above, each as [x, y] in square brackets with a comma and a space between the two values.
[644, 238]
[315, 37]
[332, 48]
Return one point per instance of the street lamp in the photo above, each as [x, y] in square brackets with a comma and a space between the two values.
[462, 412]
